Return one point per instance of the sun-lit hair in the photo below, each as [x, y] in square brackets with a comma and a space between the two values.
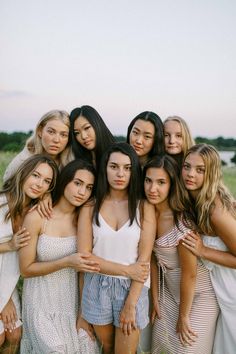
[188, 140]
[212, 187]
[34, 143]
[13, 186]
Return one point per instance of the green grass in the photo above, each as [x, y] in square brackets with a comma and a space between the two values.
[229, 175]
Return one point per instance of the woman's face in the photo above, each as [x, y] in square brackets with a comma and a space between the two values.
[156, 185]
[173, 137]
[193, 172]
[118, 171]
[79, 190]
[142, 137]
[39, 181]
[54, 136]
[85, 133]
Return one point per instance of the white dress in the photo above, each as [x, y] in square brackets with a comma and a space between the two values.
[50, 303]
[9, 266]
[224, 283]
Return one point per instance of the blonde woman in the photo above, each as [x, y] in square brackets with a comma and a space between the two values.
[216, 218]
[32, 180]
[178, 138]
[50, 137]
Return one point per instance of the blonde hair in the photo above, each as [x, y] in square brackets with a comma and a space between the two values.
[212, 187]
[34, 143]
[188, 141]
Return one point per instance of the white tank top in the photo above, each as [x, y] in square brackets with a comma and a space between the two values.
[119, 246]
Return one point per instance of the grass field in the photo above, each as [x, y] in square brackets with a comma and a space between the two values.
[229, 173]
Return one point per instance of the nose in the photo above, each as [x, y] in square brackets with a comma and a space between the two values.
[84, 134]
[82, 190]
[120, 172]
[153, 188]
[191, 172]
[39, 182]
[56, 137]
[171, 139]
[139, 139]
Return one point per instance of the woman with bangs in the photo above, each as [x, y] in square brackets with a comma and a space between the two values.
[216, 218]
[119, 230]
[146, 135]
[178, 138]
[184, 303]
[90, 137]
[35, 177]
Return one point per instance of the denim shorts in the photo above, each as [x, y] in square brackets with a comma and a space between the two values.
[104, 297]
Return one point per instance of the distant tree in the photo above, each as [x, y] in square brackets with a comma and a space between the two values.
[233, 159]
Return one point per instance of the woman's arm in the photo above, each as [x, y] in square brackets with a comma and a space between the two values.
[29, 267]
[18, 240]
[138, 271]
[155, 289]
[188, 264]
[224, 225]
[147, 238]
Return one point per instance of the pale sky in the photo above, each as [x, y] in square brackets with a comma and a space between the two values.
[121, 57]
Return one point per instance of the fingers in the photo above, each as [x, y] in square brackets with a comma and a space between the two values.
[44, 209]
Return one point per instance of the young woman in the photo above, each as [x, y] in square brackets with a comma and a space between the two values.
[216, 218]
[184, 304]
[90, 137]
[178, 138]
[50, 138]
[120, 229]
[50, 264]
[145, 134]
[35, 177]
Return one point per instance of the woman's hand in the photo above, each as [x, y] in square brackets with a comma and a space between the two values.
[186, 335]
[19, 239]
[155, 311]
[44, 206]
[81, 263]
[139, 271]
[9, 316]
[194, 243]
[127, 319]
[82, 323]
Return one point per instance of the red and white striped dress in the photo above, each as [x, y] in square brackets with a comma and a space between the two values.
[204, 311]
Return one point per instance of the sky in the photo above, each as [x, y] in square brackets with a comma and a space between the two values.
[121, 57]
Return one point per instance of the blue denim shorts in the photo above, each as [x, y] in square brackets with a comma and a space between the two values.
[104, 297]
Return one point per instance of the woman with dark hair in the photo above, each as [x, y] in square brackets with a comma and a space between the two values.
[50, 264]
[119, 231]
[90, 136]
[146, 135]
[35, 177]
[185, 309]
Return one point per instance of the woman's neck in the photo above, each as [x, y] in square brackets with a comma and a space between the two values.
[117, 196]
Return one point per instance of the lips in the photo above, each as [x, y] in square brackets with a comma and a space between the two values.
[188, 183]
[119, 182]
[35, 191]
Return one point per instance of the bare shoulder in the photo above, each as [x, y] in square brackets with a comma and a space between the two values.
[32, 218]
[219, 213]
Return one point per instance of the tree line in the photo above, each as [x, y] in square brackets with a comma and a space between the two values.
[15, 141]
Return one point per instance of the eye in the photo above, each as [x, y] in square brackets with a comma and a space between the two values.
[47, 181]
[76, 133]
[200, 170]
[64, 135]
[90, 188]
[128, 168]
[147, 137]
[88, 127]
[50, 131]
[147, 180]
[186, 167]
[134, 132]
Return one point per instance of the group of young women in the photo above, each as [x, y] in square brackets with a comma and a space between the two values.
[91, 224]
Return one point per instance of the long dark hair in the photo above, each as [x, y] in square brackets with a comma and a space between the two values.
[104, 137]
[13, 186]
[158, 143]
[67, 175]
[178, 197]
[134, 188]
